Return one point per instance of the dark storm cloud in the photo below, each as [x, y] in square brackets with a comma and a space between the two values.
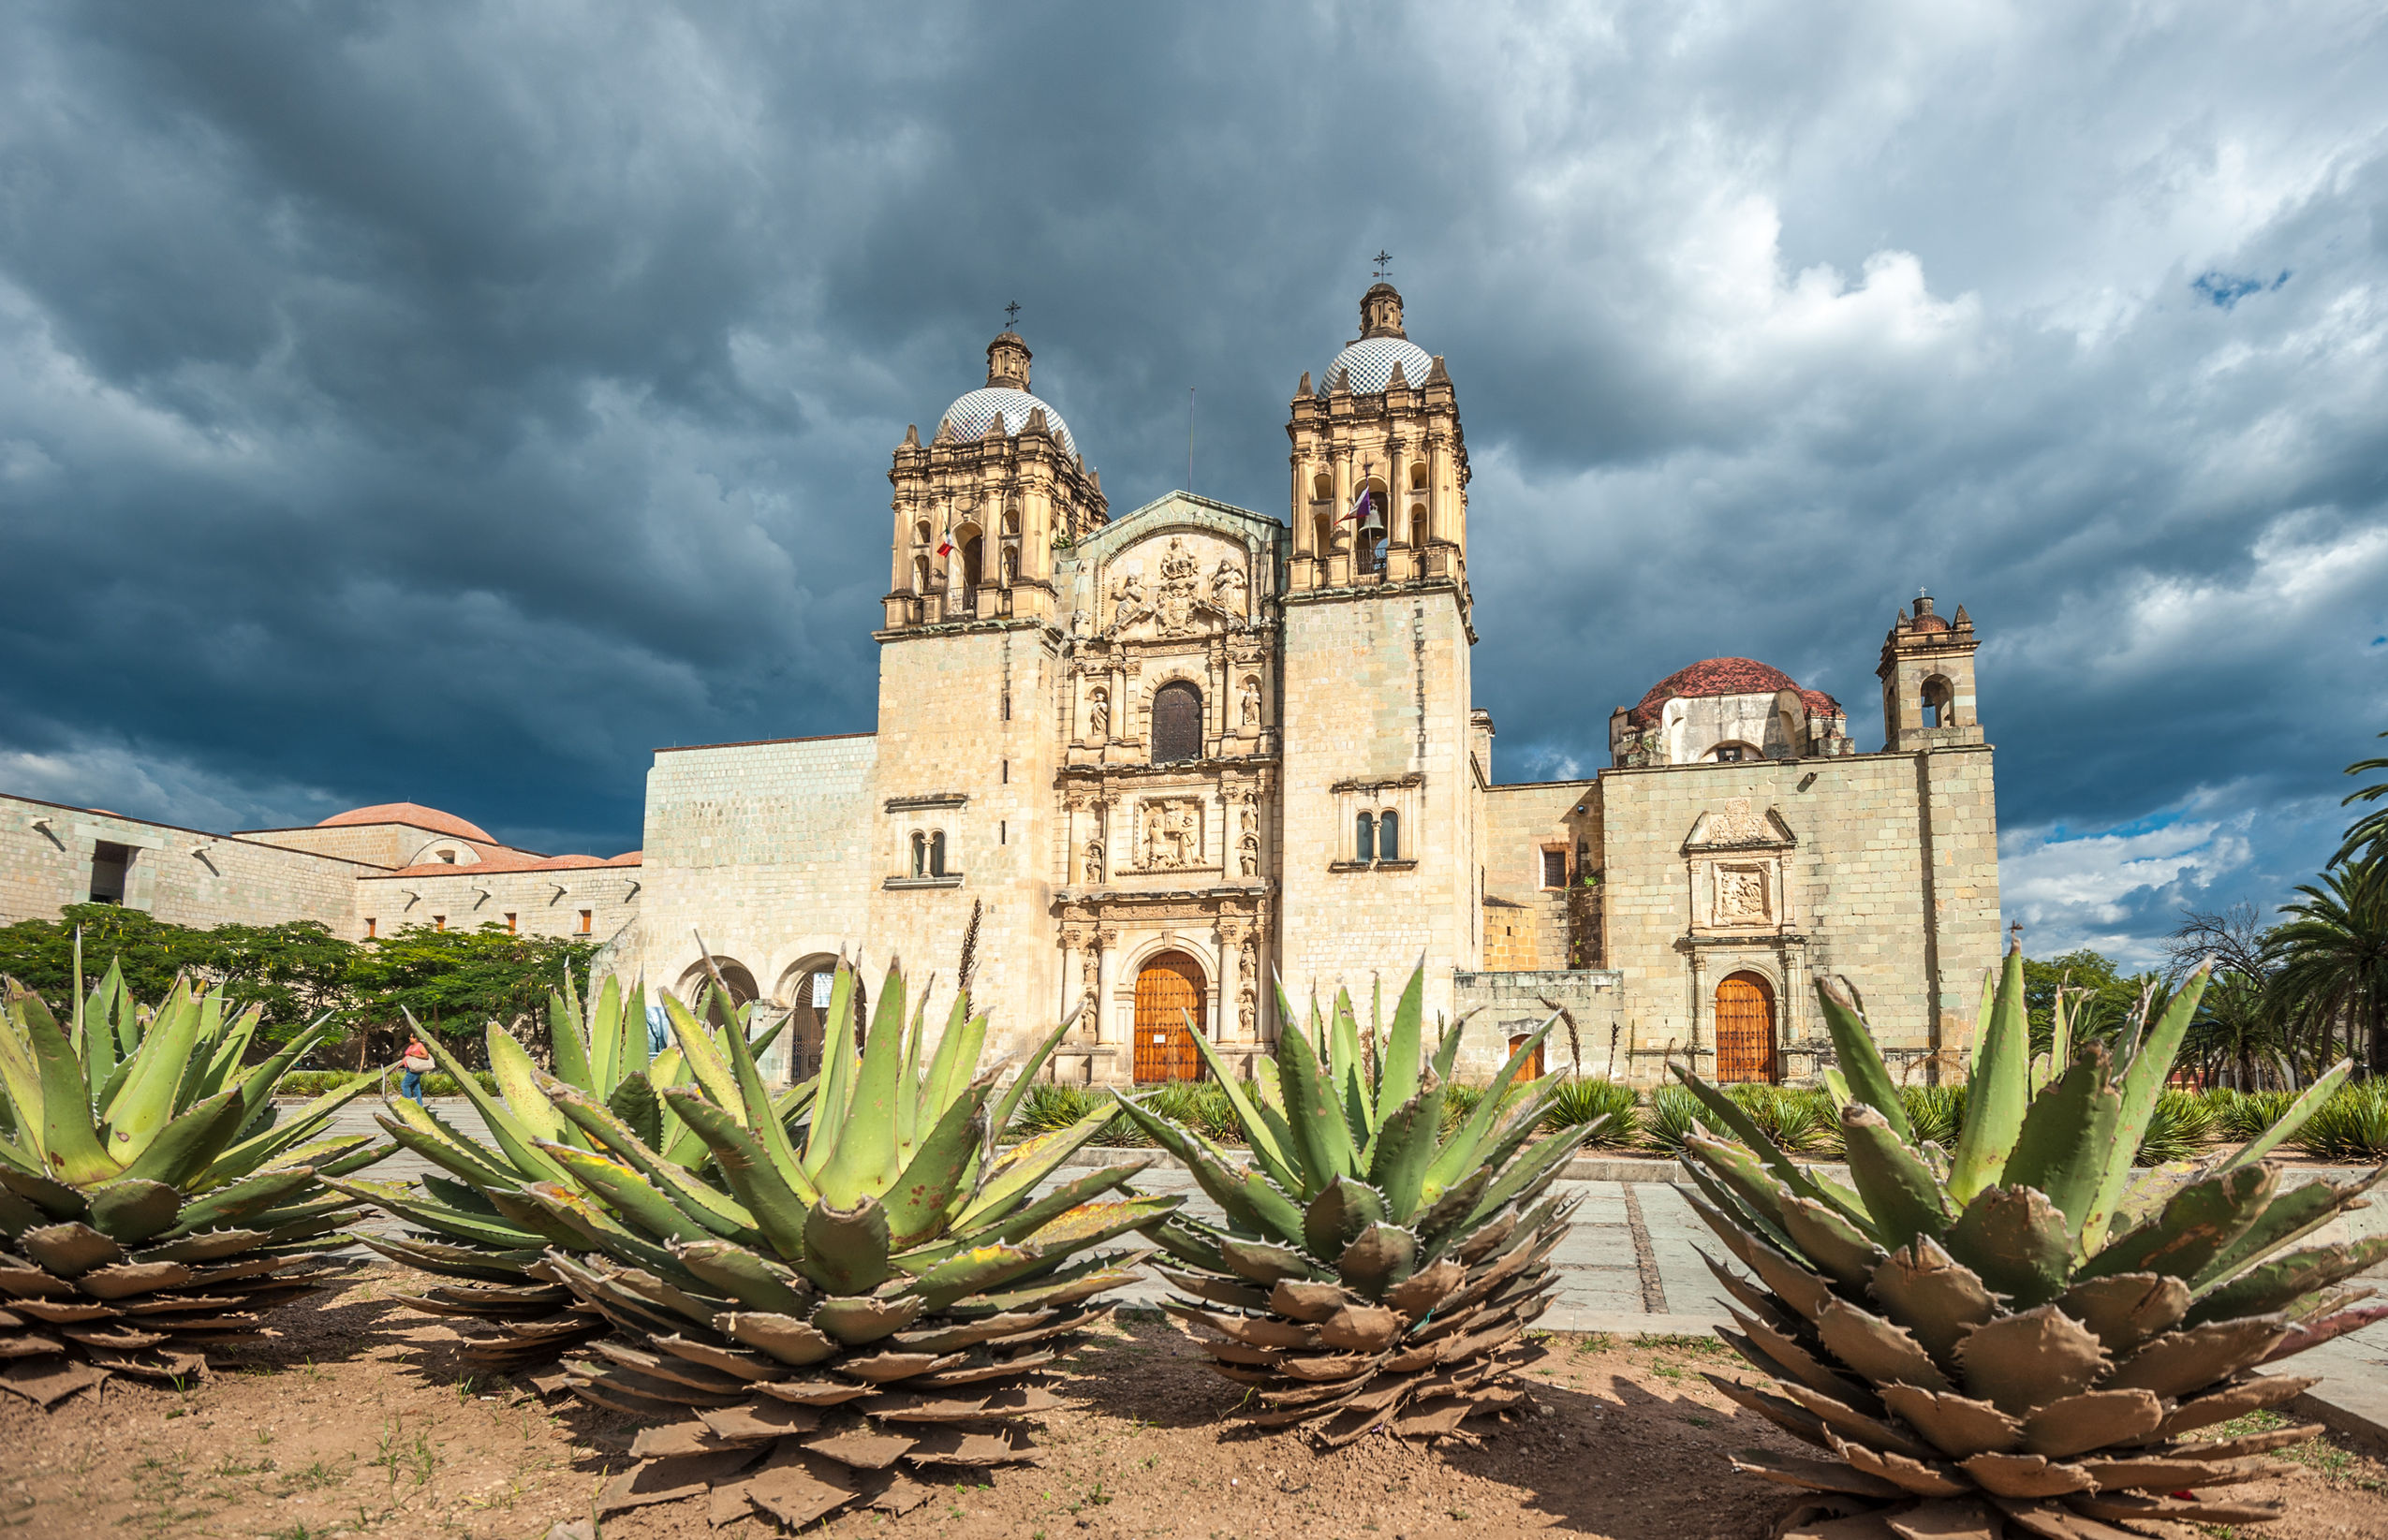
[453, 403]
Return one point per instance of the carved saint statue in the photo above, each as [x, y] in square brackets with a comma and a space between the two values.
[1250, 702]
[1099, 716]
[1128, 602]
[1094, 862]
[1251, 856]
[1229, 587]
[1248, 1009]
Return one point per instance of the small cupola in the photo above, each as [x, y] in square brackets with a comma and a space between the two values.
[1380, 311]
[1007, 360]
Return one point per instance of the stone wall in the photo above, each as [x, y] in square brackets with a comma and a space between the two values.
[537, 903]
[1509, 1004]
[1527, 925]
[180, 875]
[765, 847]
[1879, 867]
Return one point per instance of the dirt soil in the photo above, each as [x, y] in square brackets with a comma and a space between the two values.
[358, 1421]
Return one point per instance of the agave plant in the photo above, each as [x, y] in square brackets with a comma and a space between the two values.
[2028, 1332]
[474, 1227]
[1372, 1270]
[153, 1200]
[819, 1320]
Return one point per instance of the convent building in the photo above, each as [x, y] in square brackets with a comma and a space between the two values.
[1173, 757]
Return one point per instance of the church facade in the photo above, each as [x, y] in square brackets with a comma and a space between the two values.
[1173, 757]
[1152, 764]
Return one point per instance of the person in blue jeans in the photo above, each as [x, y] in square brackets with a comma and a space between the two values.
[416, 1065]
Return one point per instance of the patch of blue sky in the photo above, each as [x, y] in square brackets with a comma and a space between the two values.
[2226, 289]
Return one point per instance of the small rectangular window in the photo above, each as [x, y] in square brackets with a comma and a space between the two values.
[1003, 831]
[1555, 869]
[370, 924]
[110, 862]
[586, 919]
[509, 922]
[1007, 772]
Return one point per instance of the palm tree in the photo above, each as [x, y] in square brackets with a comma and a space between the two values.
[2333, 951]
[2237, 1027]
[2372, 827]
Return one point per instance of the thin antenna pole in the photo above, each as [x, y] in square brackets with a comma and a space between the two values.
[1189, 438]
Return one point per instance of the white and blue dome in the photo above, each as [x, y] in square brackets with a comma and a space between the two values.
[972, 413]
[1371, 360]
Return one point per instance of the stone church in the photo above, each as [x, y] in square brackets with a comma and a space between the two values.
[1171, 756]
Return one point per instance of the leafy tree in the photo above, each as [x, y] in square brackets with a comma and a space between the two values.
[2333, 954]
[2370, 831]
[456, 982]
[298, 970]
[2100, 999]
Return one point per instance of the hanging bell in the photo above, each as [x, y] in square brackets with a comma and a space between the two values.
[1372, 528]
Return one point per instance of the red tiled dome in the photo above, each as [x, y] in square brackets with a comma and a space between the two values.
[1712, 677]
[412, 814]
[1929, 622]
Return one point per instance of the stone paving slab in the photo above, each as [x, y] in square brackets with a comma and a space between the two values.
[1606, 1286]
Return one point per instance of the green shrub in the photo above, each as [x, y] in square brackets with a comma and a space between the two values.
[307, 1084]
[2350, 1127]
[1048, 1107]
[1460, 1099]
[1670, 1117]
[1579, 1100]
[1936, 1112]
[2180, 1126]
[2248, 1114]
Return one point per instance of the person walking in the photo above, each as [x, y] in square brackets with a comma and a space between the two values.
[417, 1064]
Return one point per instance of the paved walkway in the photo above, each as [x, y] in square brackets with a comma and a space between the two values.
[1632, 1266]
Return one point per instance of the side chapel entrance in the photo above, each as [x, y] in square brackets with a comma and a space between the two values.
[1746, 1029]
[1168, 991]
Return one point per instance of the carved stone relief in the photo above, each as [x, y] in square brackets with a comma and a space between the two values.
[1172, 834]
[1741, 896]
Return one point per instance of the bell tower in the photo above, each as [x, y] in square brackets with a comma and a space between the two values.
[1383, 775]
[1928, 681]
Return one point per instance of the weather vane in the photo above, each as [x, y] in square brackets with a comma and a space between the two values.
[1012, 310]
[1383, 257]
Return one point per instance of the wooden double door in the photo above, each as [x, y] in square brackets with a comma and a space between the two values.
[1170, 992]
[1746, 1029]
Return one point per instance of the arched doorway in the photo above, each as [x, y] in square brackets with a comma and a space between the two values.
[696, 985]
[1169, 991]
[1532, 1068]
[806, 992]
[1746, 1029]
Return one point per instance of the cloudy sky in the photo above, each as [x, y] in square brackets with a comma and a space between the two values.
[455, 403]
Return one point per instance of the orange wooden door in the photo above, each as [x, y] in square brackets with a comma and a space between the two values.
[1168, 991]
[1745, 1029]
[1532, 1068]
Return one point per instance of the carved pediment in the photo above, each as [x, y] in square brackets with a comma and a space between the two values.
[1177, 589]
[1736, 826]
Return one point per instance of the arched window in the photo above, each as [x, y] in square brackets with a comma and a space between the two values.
[1323, 529]
[1416, 475]
[1322, 488]
[1010, 566]
[1372, 531]
[921, 532]
[1011, 520]
[936, 854]
[1364, 844]
[920, 574]
[1177, 722]
[1940, 701]
[920, 854]
[1388, 836]
[973, 570]
[1418, 526]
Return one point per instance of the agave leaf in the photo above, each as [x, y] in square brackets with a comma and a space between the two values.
[1883, 1350]
[261, 1150]
[1404, 1146]
[145, 1098]
[864, 1164]
[1729, 1113]
[2288, 1217]
[845, 1250]
[1018, 1091]
[627, 1192]
[1901, 1195]
[754, 1097]
[2199, 1221]
[1338, 1214]
[518, 1082]
[132, 1209]
[2017, 1242]
[566, 1035]
[1400, 1079]
[439, 1217]
[2067, 1139]
[608, 1042]
[1019, 1168]
[2126, 1309]
[68, 1142]
[1347, 1074]
[1378, 1257]
[1958, 1426]
[1464, 1150]
[633, 1101]
[20, 1081]
[1271, 1141]
[934, 1181]
[512, 1135]
[420, 1130]
[2095, 1419]
[185, 1146]
[1528, 1173]
[704, 1057]
[2143, 1083]
[2286, 1127]
[765, 1189]
[259, 1084]
[747, 1276]
[1754, 1192]
[1251, 1203]
[1322, 1137]
[2024, 1361]
[2280, 1282]
[1934, 1295]
[1860, 1071]
[836, 1078]
[1998, 1091]
[1092, 1223]
[229, 1049]
[2181, 1363]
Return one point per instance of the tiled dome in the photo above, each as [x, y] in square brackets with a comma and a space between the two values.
[1371, 360]
[972, 413]
[414, 814]
[1726, 677]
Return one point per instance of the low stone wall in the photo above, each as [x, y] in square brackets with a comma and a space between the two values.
[1511, 1003]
